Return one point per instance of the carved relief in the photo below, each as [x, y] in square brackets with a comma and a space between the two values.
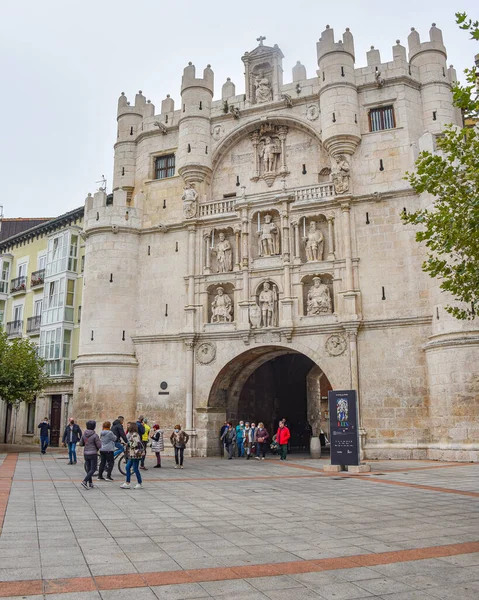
[206, 353]
[314, 242]
[217, 132]
[340, 173]
[268, 237]
[190, 196]
[263, 90]
[224, 254]
[312, 112]
[335, 345]
[319, 298]
[222, 307]
[269, 152]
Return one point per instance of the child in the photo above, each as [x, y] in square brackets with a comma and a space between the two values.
[157, 445]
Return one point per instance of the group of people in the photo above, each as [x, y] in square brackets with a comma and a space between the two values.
[248, 439]
[113, 440]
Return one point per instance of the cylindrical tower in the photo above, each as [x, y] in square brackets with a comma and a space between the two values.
[194, 145]
[338, 93]
[430, 60]
[105, 371]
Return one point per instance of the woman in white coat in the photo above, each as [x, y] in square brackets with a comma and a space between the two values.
[157, 444]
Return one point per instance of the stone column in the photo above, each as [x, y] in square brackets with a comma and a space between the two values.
[237, 230]
[190, 349]
[346, 220]
[285, 232]
[352, 330]
[254, 137]
[207, 238]
[191, 264]
[331, 238]
[297, 247]
[282, 138]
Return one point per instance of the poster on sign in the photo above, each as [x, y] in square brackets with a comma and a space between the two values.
[344, 429]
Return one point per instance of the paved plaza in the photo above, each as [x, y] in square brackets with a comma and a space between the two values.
[251, 530]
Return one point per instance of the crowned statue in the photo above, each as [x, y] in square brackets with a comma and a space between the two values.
[268, 237]
[224, 255]
[319, 298]
[222, 307]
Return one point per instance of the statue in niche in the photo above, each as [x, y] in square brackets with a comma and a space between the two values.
[268, 238]
[340, 174]
[268, 303]
[222, 307]
[269, 154]
[314, 242]
[190, 196]
[224, 254]
[262, 86]
[319, 298]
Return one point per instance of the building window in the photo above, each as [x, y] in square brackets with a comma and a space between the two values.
[72, 260]
[164, 166]
[55, 349]
[381, 118]
[31, 417]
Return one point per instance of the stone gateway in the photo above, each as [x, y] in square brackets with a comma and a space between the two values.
[252, 255]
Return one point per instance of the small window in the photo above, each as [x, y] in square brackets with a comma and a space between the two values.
[381, 118]
[31, 417]
[165, 166]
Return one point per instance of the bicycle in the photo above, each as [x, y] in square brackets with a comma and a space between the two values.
[122, 460]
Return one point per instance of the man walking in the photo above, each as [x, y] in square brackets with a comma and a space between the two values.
[282, 438]
[118, 430]
[44, 428]
[71, 437]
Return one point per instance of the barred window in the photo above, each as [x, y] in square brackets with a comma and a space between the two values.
[381, 118]
[164, 166]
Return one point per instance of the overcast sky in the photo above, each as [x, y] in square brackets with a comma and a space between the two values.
[63, 65]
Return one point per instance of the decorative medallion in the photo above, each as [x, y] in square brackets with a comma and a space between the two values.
[206, 353]
[335, 345]
[312, 112]
[217, 132]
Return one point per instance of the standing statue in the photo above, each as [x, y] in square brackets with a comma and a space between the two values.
[190, 195]
[268, 238]
[319, 298]
[314, 242]
[263, 91]
[340, 174]
[224, 255]
[268, 302]
[222, 307]
[269, 154]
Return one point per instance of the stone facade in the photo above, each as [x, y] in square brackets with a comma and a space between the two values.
[287, 198]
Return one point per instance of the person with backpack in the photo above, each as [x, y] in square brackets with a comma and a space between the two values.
[179, 439]
[282, 438]
[44, 428]
[71, 437]
[108, 439]
[228, 438]
[157, 444]
[92, 444]
[134, 452]
[145, 438]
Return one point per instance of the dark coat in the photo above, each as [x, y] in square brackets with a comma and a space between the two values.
[76, 434]
[44, 428]
[118, 430]
[141, 429]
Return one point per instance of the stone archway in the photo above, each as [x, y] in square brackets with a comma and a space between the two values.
[268, 383]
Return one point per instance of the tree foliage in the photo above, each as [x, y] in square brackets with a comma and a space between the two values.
[22, 373]
[450, 229]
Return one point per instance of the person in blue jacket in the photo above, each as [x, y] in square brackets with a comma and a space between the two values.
[44, 428]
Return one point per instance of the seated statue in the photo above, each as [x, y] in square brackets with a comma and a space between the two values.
[319, 298]
[222, 307]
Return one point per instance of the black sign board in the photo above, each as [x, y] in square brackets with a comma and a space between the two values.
[344, 429]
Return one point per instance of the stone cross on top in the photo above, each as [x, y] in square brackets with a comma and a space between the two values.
[260, 39]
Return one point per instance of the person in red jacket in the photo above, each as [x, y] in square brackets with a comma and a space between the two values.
[282, 438]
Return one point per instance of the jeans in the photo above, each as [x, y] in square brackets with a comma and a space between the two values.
[44, 443]
[239, 443]
[106, 458]
[145, 446]
[179, 452]
[283, 450]
[229, 449]
[91, 463]
[72, 451]
[133, 463]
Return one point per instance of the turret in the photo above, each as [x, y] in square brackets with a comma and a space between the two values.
[338, 93]
[430, 60]
[194, 146]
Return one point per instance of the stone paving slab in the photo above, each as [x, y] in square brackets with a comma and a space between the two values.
[260, 529]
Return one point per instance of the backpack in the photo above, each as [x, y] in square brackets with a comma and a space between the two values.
[135, 449]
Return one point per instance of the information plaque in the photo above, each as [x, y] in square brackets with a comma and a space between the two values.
[344, 430]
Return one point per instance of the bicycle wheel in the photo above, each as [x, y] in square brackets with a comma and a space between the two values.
[122, 464]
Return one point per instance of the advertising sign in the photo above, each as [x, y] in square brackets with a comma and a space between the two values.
[344, 428]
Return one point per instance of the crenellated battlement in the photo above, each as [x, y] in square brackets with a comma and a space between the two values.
[190, 80]
[142, 107]
[435, 43]
[117, 210]
[326, 43]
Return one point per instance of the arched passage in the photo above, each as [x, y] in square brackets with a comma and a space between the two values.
[268, 383]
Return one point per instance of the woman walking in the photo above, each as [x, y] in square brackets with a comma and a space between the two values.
[261, 439]
[248, 440]
[134, 452]
[71, 437]
[92, 444]
[157, 444]
[228, 438]
[179, 439]
[108, 439]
